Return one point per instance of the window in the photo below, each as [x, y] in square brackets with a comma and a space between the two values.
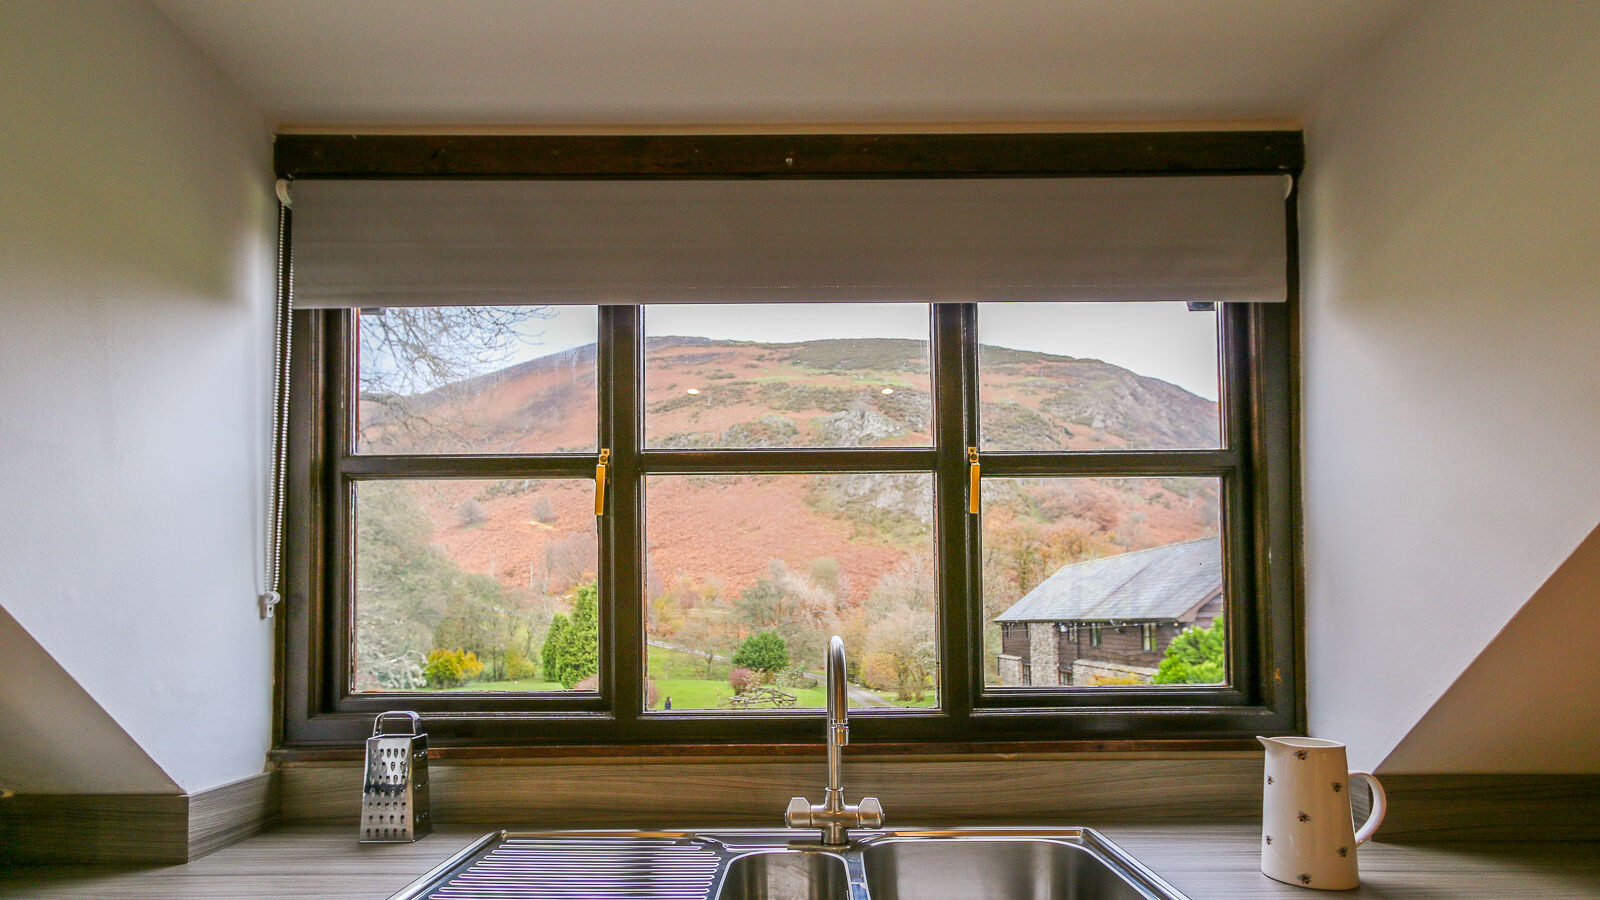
[775, 473]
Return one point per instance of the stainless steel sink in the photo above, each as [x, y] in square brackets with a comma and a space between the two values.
[901, 864]
[786, 875]
[994, 869]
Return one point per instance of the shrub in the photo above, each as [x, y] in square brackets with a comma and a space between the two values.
[1195, 657]
[878, 671]
[471, 512]
[451, 668]
[764, 651]
[742, 679]
[544, 511]
[572, 647]
[519, 666]
[553, 641]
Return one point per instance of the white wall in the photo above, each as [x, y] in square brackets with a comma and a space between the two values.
[1451, 251]
[135, 310]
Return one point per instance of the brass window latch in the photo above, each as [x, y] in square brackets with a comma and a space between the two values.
[972, 483]
[600, 481]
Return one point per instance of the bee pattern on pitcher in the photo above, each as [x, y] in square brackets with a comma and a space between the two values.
[1305, 878]
[1344, 851]
[1300, 754]
[1304, 817]
[1337, 787]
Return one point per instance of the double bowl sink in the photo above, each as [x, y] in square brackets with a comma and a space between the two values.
[940, 864]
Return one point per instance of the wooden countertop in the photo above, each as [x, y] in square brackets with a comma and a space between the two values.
[1206, 862]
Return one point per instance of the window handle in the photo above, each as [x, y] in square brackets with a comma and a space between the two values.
[600, 482]
[972, 483]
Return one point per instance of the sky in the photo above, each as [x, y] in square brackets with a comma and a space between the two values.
[1160, 340]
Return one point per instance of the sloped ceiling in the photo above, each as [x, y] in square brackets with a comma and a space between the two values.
[56, 738]
[1527, 703]
[620, 63]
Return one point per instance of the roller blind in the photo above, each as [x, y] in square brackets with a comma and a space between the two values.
[360, 243]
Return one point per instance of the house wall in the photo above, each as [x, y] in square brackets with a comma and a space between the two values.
[1014, 639]
[136, 286]
[1122, 644]
[1041, 658]
[1451, 270]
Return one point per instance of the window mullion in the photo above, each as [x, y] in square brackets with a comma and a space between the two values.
[619, 375]
[955, 360]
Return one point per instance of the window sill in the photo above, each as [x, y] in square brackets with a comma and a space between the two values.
[734, 753]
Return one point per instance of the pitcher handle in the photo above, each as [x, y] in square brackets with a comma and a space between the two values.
[1380, 805]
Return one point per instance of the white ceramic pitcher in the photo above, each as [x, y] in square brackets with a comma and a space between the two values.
[1306, 834]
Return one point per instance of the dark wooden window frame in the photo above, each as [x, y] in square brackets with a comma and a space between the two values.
[1257, 466]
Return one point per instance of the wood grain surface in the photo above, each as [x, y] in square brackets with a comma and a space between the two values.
[1198, 787]
[95, 827]
[232, 812]
[1488, 807]
[136, 828]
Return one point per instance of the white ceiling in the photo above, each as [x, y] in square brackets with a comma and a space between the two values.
[732, 63]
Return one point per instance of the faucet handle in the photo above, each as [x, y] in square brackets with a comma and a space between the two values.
[798, 815]
[869, 811]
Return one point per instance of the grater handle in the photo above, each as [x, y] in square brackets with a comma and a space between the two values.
[416, 721]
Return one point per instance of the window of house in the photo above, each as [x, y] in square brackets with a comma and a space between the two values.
[954, 487]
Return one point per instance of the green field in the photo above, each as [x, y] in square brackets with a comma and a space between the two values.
[682, 676]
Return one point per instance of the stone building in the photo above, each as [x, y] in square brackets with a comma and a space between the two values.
[1110, 618]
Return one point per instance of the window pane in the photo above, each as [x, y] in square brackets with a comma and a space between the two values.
[1097, 376]
[1102, 581]
[788, 375]
[749, 574]
[477, 379]
[476, 585]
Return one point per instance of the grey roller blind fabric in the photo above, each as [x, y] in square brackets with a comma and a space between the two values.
[433, 242]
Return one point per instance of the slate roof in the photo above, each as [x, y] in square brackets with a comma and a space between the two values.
[1166, 583]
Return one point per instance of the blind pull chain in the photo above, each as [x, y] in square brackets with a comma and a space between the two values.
[267, 603]
[972, 484]
[600, 482]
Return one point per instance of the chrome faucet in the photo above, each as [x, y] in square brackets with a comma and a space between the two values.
[834, 816]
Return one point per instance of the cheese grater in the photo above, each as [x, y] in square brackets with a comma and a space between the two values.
[394, 790]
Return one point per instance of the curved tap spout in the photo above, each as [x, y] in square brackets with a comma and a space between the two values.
[833, 816]
[838, 717]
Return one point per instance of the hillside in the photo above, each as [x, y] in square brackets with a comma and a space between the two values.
[811, 394]
[817, 550]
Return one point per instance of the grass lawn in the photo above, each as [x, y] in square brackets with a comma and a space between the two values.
[669, 665]
[682, 676]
